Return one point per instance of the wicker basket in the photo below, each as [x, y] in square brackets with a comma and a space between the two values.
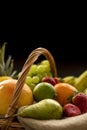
[8, 122]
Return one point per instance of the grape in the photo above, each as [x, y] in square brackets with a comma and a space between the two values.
[42, 68]
[35, 79]
[47, 68]
[47, 75]
[32, 70]
[28, 80]
[40, 76]
[37, 72]
[45, 62]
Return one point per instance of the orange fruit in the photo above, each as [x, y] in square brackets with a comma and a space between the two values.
[64, 91]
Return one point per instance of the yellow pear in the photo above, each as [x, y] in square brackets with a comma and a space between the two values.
[6, 92]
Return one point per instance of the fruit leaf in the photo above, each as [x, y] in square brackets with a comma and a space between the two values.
[6, 67]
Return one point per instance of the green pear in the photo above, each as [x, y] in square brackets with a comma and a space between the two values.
[44, 109]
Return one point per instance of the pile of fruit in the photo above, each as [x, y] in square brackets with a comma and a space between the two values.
[43, 96]
[57, 98]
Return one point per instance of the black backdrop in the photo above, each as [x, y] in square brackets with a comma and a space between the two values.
[68, 49]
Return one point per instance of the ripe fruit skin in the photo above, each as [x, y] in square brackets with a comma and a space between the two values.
[43, 110]
[70, 110]
[64, 91]
[6, 92]
[2, 78]
[49, 80]
[44, 90]
[57, 80]
[80, 100]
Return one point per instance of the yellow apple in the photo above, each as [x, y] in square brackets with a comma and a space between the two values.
[6, 92]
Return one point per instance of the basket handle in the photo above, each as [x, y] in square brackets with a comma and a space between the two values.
[19, 85]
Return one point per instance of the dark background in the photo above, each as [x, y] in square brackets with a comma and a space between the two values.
[68, 48]
[59, 27]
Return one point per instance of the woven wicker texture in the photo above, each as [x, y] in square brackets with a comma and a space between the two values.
[7, 123]
[72, 123]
